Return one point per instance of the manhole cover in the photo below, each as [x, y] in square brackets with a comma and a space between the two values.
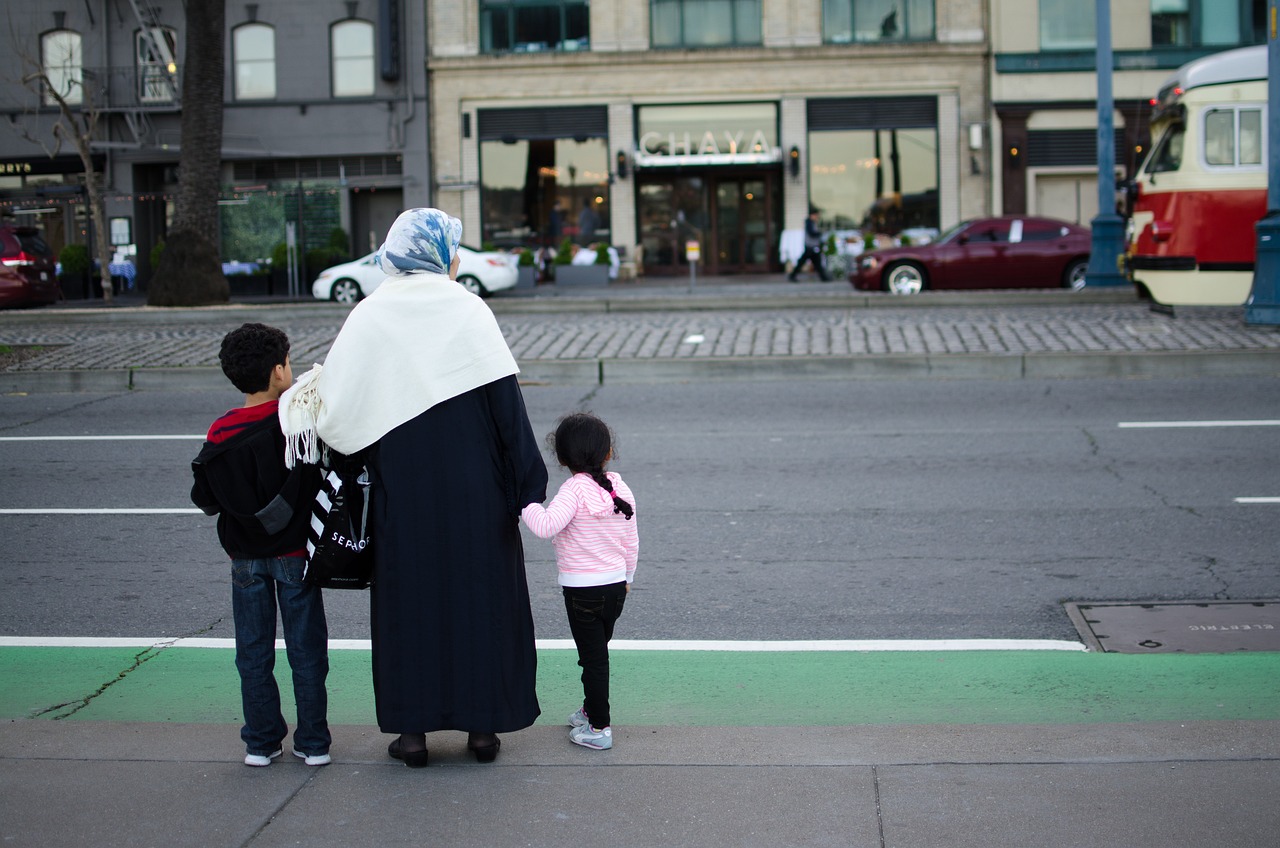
[1209, 627]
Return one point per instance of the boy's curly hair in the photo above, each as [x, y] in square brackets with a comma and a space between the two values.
[249, 353]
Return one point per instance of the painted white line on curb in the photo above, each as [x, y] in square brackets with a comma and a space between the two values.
[126, 511]
[1257, 500]
[853, 645]
[1153, 425]
[98, 438]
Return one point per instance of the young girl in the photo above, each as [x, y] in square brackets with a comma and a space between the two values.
[591, 523]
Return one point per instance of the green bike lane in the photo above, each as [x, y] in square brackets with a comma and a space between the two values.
[693, 687]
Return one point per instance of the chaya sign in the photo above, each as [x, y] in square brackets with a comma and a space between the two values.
[728, 148]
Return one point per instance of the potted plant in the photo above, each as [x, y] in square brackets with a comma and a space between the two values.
[595, 274]
[527, 274]
[76, 265]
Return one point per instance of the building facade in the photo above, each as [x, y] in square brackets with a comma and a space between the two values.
[324, 125]
[721, 122]
[1044, 89]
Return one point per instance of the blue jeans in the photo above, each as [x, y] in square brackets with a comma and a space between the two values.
[593, 610]
[256, 587]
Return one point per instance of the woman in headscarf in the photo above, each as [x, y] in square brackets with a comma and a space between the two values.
[421, 383]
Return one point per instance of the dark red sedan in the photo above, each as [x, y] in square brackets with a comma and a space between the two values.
[27, 268]
[1013, 252]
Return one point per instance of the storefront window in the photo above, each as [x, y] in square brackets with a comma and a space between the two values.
[1068, 25]
[705, 23]
[883, 181]
[530, 26]
[846, 21]
[535, 192]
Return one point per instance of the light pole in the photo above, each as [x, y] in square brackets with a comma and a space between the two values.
[1108, 227]
[1263, 305]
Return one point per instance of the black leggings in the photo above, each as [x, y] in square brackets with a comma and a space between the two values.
[592, 612]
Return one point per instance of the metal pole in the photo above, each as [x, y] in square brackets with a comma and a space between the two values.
[1108, 227]
[1263, 305]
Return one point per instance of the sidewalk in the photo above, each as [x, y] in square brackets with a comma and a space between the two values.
[662, 329]
[997, 748]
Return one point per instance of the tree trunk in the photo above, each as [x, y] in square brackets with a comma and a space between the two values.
[190, 269]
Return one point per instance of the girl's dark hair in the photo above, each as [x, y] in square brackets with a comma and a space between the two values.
[249, 353]
[582, 443]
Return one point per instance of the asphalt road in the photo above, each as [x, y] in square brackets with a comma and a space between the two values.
[772, 510]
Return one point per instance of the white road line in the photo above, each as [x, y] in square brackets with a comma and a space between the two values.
[97, 438]
[1257, 500]
[126, 511]
[617, 644]
[1154, 425]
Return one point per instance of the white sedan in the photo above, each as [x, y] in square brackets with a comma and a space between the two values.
[479, 272]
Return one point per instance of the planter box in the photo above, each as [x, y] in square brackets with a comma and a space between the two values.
[582, 275]
[526, 276]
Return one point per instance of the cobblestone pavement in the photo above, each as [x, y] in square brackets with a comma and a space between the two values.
[673, 335]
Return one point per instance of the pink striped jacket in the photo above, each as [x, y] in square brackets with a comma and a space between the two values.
[594, 545]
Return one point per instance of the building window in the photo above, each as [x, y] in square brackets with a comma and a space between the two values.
[61, 59]
[1068, 25]
[530, 26]
[875, 180]
[1207, 23]
[351, 51]
[533, 191]
[848, 21]
[705, 23]
[157, 49]
[253, 51]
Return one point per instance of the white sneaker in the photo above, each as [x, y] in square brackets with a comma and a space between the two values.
[588, 737]
[312, 759]
[259, 760]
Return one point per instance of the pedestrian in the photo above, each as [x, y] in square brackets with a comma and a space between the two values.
[588, 222]
[420, 383]
[263, 511]
[812, 249]
[591, 524]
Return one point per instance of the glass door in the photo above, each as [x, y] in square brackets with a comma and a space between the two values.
[671, 213]
[743, 226]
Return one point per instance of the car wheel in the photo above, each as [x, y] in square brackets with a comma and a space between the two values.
[473, 285]
[904, 278]
[346, 291]
[1073, 277]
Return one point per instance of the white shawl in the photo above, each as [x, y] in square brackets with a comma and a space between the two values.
[418, 340]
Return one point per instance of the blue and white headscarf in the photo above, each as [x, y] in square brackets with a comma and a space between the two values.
[420, 241]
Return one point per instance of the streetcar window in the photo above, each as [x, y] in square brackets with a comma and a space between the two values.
[1250, 136]
[1220, 137]
[1168, 153]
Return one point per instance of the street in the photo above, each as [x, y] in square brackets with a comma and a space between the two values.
[823, 510]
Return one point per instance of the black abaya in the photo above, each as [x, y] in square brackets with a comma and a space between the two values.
[452, 628]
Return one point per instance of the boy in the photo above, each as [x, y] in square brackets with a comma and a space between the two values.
[263, 514]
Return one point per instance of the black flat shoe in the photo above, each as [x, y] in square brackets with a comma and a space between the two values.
[413, 759]
[484, 745]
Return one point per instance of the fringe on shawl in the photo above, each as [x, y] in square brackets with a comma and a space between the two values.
[299, 412]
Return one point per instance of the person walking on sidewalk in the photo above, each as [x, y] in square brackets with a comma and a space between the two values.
[591, 523]
[812, 249]
[263, 515]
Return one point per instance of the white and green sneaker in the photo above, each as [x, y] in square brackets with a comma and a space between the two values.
[588, 737]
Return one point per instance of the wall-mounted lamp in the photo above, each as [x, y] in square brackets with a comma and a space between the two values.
[1015, 156]
[795, 162]
[622, 167]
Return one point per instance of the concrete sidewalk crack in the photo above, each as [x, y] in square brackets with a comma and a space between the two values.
[69, 708]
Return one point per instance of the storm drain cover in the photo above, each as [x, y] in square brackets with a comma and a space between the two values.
[1210, 627]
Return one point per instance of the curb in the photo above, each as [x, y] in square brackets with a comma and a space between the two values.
[975, 366]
